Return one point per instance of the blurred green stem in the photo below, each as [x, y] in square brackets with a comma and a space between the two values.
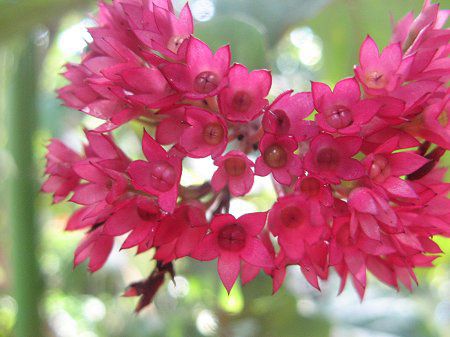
[22, 117]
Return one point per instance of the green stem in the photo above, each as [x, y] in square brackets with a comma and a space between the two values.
[22, 115]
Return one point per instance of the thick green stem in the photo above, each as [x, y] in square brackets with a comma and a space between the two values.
[22, 116]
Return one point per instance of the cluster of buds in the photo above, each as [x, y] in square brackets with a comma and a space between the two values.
[355, 168]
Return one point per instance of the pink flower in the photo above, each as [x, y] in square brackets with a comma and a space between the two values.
[385, 168]
[146, 87]
[285, 116]
[159, 176]
[294, 223]
[381, 73]
[140, 216]
[235, 172]
[331, 158]
[204, 73]
[245, 96]
[179, 233]
[342, 110]
[206, 134]
[103, 182]
[170, 34]
[95, 246]
[370, 212]
[62, 178]
[278, 157]
[232, 240]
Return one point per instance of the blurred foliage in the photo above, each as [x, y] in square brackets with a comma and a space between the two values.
[300, 40]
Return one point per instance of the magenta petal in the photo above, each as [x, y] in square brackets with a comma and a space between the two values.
[399, 187]
[350, 169]
[348, 88]
[207, 249]
[228, 266]
[100, 252]
[88, 194]
[219, 179]
[256, 254]
[403, 163]
[282, 176]
[168, 200]
[121, 221]
[253, 222]
[152, 150]
[368, 54]
[357, 265]
[261, 169]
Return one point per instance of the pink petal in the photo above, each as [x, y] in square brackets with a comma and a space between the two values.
[253, 222]
[228, 266]
[256, 254]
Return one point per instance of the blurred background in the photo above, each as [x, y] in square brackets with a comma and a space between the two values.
[40, 294]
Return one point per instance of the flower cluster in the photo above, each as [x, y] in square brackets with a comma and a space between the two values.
[355, 167]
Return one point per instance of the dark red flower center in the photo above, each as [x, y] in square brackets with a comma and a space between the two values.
[292, 217]
[205, 82]
[241, 101]
[340, 117]
[213, 133]
[327, 158]
[275, 156]
[162, 176]
[235, 167]
[232, 237]
[310, 186]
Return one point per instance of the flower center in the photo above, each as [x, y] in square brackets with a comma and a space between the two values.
[310, 186]
[379, 170]
[241, 101]
[175, 42]
[375, 80]
[327, 159]
[162, 176]
[232, 238]
[213, 133]
[275, 156]
[206, 82]
[235, 167]
[340, 117]
[292, 217]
